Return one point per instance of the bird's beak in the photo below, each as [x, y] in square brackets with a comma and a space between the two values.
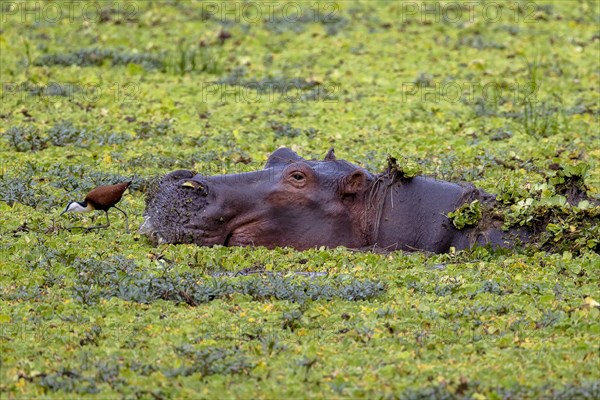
[62, 213]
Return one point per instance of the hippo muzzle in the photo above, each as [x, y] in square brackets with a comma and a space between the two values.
[173, 207]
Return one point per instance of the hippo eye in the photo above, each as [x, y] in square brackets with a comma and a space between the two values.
[299, 176]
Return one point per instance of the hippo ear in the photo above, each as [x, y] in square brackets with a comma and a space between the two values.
[330, 156]
[282, 156]
[355, 182]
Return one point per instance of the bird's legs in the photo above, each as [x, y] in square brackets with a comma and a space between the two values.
[126, 218]
[107, 222]
[100, 226]
[89, 228]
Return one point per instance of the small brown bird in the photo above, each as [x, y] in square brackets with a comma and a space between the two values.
[101, 198]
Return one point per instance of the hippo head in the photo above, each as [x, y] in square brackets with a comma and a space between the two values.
[291, 202]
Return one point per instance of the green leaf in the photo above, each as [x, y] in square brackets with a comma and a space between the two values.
[135, 69]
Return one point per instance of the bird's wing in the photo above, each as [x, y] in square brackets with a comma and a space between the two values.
[105, 195]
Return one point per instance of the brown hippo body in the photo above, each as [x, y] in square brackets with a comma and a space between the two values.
[306, 204]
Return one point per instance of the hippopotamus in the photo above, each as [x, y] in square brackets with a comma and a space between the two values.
[309, 204]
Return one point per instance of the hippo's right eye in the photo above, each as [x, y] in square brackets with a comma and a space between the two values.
[298, 176]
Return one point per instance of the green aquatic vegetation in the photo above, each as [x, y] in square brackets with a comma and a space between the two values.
[96, 57]
[406, 169]
[25, 138]
[286, 130]
[324, 14]
[466, 389]
[502, 96]
[19, 190]
[289, 87]
[52, 89]
[466, 215]
[558, 209]
[478, 42]
[209, 361]
[119, 277]
[65, 132]
[185, 59]
[148, 129]
[90, 377]
[539, 120]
